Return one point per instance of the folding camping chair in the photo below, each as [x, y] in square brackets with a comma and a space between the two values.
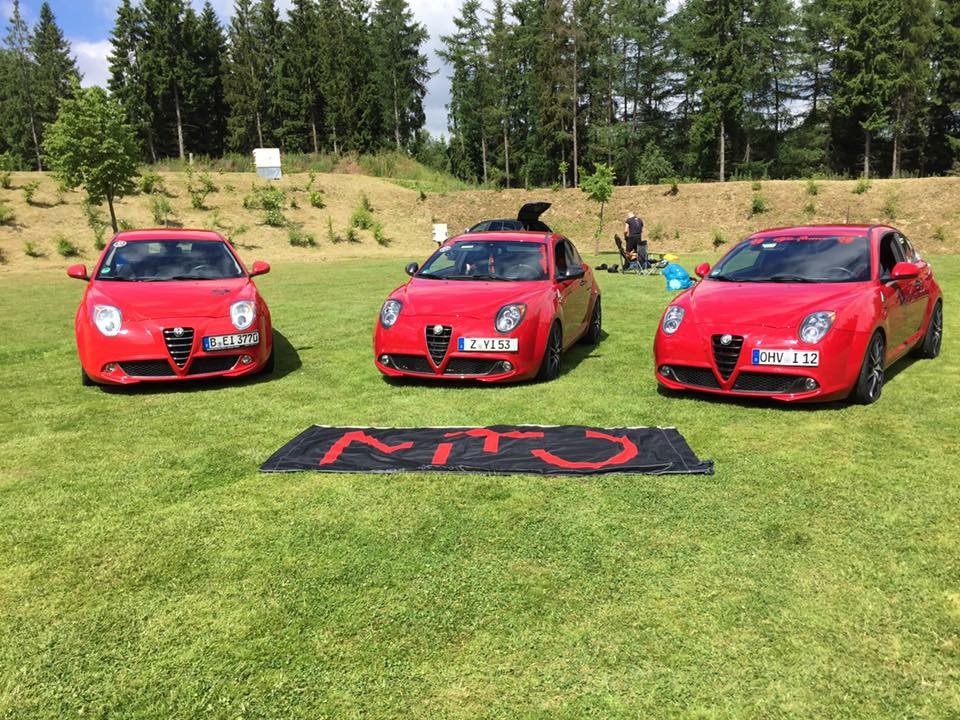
[629, 264]
[653, 265]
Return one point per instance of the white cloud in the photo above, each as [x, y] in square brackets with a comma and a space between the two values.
[92, 61]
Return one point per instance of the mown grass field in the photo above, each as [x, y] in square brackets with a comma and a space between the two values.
[147, 570]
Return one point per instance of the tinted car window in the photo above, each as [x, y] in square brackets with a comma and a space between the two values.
[161, 260]
[796, 259]
[487, 260]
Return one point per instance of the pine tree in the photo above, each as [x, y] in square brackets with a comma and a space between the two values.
[20, 112]
[401, 69]
[268, 31]
[502, 62]
[56, 71]
[206, 114]
[126, 81]
[912, 74]
[244, 81]
[164, 64]
[942, 152]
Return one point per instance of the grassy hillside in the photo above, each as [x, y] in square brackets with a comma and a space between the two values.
[691, 220]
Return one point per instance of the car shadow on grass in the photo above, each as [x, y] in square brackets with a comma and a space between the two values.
[572, 358]
[761, 402]
[287, 360]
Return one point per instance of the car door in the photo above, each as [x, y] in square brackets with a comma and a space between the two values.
[894, 294]
[566, 290]
[579, 303]
[918, 289]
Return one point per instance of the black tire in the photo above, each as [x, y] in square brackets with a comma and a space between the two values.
[550, 364]
[595, 328]
[870, 380]
[85, 379]
[929, 347]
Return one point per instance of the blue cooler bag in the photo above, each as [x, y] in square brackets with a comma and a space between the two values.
[677, 278]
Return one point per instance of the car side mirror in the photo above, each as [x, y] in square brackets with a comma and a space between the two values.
[702, 269]
[259, 268]
[78, 272]
[904, 271]
[411, 269]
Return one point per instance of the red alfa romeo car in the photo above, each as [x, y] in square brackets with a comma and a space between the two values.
[490, 306]
[802, 313]
[171, 305]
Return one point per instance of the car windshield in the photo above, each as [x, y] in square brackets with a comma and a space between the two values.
[794, 258]
[165, 260]
[480, 260]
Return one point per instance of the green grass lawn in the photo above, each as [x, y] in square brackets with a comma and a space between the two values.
[148, 570]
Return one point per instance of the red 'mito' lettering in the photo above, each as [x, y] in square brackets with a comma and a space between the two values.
[336, 450]
[491, 438]
[628, 452]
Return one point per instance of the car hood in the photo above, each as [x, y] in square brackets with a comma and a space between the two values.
[466, 298]
[775, 305]
[173, 299]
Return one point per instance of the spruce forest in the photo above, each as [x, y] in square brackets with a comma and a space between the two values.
[541, 90]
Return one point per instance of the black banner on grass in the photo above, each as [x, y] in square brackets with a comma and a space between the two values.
[556, 450]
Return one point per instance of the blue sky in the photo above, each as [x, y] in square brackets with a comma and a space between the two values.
[87, 25]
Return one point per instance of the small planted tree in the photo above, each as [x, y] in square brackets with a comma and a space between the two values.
[599, 188]
[91, 146]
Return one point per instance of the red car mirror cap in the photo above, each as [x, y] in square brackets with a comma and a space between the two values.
[904, 271]
[78, 272]
[259, 268]
[702, 269]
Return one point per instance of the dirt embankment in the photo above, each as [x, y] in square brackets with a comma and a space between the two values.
[927, 210]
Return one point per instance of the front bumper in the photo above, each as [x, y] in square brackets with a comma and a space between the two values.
[142, 353]
[693, 359]
[412, 349]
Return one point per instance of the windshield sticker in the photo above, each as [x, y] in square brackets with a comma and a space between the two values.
[106, 269]
[445, 248]
[768, 245]
[120, 243]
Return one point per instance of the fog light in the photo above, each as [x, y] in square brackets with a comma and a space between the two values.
[245, 359]
[507, 365]
[810, 384]
[666, 370]
[109, 367]
[384, 359]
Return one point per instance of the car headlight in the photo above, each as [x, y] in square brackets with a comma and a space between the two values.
[108, 319]
[672, 319]
[815, 326]
[243, 313]
[390, 312]
[509, 316]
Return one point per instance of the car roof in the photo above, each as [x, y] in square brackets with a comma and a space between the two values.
[817, 230]
[168, 234]
[534, 236]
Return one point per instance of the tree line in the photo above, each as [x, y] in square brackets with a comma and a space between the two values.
[707, 89]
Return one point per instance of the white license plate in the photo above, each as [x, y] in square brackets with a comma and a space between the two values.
[229, 342]
[487, 344]
[792, 358]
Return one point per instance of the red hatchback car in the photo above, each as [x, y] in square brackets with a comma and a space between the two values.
[489, 306]
[802, 313]
[171, 305]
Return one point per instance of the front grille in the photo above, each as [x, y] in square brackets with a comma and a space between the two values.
[726, 355]
[759, 382]
[147, 368]
[411, 363]
[438, 344]
[179, 347]
[218, 363]
[471, 366]
[702, 377]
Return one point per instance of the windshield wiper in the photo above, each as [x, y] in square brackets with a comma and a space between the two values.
[722, 278]
[484, 276]
[188, 277]
[788, 278]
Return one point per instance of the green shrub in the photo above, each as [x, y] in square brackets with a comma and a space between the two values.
[294, 205]
[365, 202]
[352, 236]
[809, 208]
[676, 235]
[653, 166]
[755, 186]
[862, 186]
[151, 182]
[423, 196]
[890, 206]
[29, 189]
[199, 188]
[65, 248]
[100, 237]
[237, 232]
[378, 235]
[274, 217]
[31, 250]
[316, 199]
[674, 188]
[6, 179]
[657, 233]
[299, 238]
[160, 208]
[331, 235]
[3, 257]
[215, 221]
[759, 205]
[718, 238]
[312, 176]
[362, 217]
[812, 187]
[6, 214]
[939, 234]
[124, 224]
